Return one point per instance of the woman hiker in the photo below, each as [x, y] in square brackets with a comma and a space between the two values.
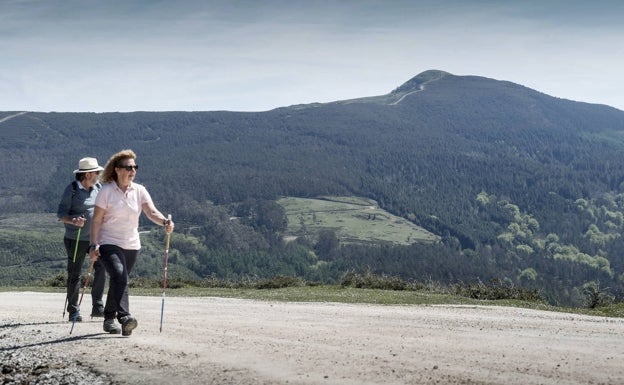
[115, 235]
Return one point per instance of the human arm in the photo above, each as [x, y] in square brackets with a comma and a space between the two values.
[157, 217]
[96, 224]
[66, 213]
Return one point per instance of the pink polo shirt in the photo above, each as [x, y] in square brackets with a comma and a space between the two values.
[120, 225]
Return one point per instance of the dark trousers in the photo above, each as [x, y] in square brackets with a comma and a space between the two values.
[74, 269]
[118, 263]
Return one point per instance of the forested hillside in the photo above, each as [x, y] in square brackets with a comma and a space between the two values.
[521, 186]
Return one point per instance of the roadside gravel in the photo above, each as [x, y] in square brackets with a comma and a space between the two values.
[28, 357]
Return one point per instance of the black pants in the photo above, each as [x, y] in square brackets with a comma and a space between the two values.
[74, 269]
[118, 263]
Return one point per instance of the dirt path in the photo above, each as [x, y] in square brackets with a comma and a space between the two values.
[12, 116]
[233, 341]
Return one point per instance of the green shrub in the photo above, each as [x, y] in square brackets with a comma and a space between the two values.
[595, 296]
[369, 280]
[496, 290]
[279, 282]
[59, 280]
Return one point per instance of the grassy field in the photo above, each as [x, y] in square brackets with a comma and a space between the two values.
[32, 247]
[353, 219]
[40, 222]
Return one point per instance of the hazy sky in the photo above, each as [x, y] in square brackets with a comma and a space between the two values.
[203, 55]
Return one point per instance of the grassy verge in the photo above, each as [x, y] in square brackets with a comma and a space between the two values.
[340, 294]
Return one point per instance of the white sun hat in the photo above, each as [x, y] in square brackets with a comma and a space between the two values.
[88, 165]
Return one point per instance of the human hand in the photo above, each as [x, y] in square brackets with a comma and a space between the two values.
[94, 252]
[79, 221]
[169, 225]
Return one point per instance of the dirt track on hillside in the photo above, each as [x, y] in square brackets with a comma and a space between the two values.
[233, 341]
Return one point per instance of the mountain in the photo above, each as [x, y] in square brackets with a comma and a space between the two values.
[519, 185]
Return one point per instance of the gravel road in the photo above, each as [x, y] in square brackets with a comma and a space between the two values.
[232, 341]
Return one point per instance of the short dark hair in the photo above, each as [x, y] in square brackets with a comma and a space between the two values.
[80, 176]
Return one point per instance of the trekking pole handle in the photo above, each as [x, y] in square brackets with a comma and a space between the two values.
[168, 234]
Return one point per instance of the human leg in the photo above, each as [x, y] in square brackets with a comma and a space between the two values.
[123, 305]
[128, 323]
[110, 308]
[118, 263]
[74, 268]
[110, 313]
[114, 262]
[97, 291]
[131, 258]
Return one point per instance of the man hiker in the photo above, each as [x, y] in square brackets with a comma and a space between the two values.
[76, 211]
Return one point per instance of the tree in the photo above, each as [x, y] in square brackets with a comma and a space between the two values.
[327, 244]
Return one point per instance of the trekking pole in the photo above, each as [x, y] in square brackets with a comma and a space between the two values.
[84, 288]
[76, 248]
[162, 306]
[74, 261]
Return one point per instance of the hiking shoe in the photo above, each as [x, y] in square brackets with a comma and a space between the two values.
[78, 317]
[128, 324]
[110, 327]
[97, 312]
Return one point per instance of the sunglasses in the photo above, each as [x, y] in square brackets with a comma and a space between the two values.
[130, 168]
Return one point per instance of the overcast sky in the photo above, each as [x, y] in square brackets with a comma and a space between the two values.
[203, 55]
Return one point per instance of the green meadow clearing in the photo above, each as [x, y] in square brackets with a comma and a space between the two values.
[353, 219]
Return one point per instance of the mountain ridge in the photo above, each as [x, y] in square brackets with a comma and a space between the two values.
[496, 169]
[418, 82]
[415, 84]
